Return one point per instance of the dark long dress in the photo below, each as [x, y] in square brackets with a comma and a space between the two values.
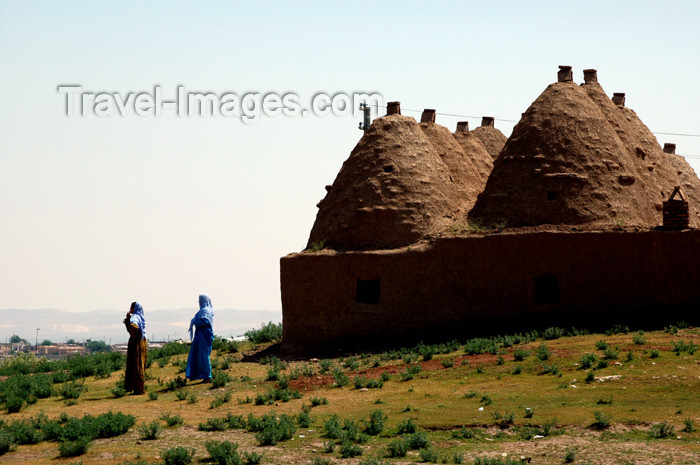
[137, 351]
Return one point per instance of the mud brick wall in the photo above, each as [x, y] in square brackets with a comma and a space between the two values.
[493, 284]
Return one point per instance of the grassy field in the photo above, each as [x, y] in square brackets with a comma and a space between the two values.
[636, 402]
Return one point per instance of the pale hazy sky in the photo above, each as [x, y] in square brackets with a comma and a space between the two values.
[100, 211]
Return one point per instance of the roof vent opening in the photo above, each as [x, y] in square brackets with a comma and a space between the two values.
[565, 74]
[393, 108]
[428, 116]
[463, 126]
[487, 121]
[590, 75]
[619, 99]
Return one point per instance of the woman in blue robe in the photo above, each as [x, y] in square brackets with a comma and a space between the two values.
[198, 365]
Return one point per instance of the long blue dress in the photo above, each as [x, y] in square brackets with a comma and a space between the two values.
[198, 365]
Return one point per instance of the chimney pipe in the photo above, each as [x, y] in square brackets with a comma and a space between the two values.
[462, 126]
[565, 74]
[590, 75]
[487, 121]
[619, 99]
[669, 148]
[393, 108]
[428, 116]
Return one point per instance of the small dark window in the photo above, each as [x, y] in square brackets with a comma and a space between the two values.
[546, 289]
[388, 168]
[551, 195]
[367, 291]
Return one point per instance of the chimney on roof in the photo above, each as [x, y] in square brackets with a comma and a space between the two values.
[565, 74]
[393, 108]
[487, 121]
[590, 75]
[669, 148]
[462, 126]
[619, 99]
[428, 116]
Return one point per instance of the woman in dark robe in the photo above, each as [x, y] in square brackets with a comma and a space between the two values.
[198, 364]
[137, 351]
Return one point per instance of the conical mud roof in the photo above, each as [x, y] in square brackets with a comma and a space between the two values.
[565, 164]
[463, 172]
[492, 138]
[393, 190]
[656, 172]
[477, 154]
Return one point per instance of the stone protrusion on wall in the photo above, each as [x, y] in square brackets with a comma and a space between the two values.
[676, 212]
[619, 99]
[393, 108]
[463, 126]
[590, 75]
[487, 121]
[428, 116]
[669, 148]
[565, 74]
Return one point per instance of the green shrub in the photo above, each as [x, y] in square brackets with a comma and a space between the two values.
[7, 441]
[406, 427]
[587, 360]
[152, 395]
[224, 452]
[458, 458]
[550, 369]
[678, 347]
[520, 355]
[617, 329]
[411, 372]
[448, 362]
[341, 378]
[602, 364]
[316, 401]
[429, 455]
[486, 399]
[172, 420]
[590, 377]
[252, 458]
[611, 354]
[225, 345]
[543, 353]
[417, 441]
[602, 420]
[220, 400]
[213, 424]
[654, 354]
[466, 433]
[601, 344]
[529, 412]
[273, 430]
[72, 390]
[118, 389]
[553, 333]
[14, 403]
[348, 449]
[73, 448]
[220, 379]
[517, 370]
[689, 426]
[150, 431]
[304, 419]
[639, 338]
[332, 427]
[397, 448]
[661, 430]
[376, 423]
[324, 366]
[570, 456]
[182, 394]
[267, 333]
[178, 455]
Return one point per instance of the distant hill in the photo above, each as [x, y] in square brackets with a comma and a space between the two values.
[59, 325]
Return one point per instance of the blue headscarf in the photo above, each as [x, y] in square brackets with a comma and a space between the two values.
[139, 319]
[205, 315]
